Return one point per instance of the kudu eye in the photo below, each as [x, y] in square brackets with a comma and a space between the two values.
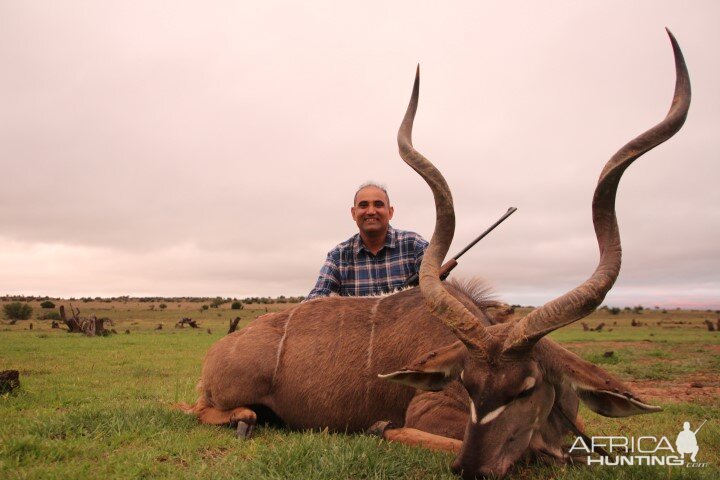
[525, 393]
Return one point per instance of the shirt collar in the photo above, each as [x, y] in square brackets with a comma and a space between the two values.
[390, 241]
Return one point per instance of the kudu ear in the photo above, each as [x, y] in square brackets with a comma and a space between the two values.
[434, 370]
[612, 404]
[601, 392]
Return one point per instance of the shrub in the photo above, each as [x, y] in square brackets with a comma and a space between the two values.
[17, 311]
[614, 311]
[162, 306]
[47, 304]
[236, 305]
[52, 315]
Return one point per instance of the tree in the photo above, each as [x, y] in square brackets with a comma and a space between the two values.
[17, 311]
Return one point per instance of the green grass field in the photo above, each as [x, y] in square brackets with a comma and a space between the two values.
[100, 407]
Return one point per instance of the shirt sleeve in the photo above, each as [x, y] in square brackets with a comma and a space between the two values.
[328, 281]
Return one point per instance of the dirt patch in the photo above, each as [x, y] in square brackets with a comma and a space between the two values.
[712, 348]
[700, 388]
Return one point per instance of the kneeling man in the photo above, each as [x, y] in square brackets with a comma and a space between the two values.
[376, 260]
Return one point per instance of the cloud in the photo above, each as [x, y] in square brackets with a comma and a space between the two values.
[180, 149]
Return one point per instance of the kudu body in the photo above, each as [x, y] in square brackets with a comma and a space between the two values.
[488, 387]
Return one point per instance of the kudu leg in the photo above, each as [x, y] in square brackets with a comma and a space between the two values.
[415, 437]
[242, 418]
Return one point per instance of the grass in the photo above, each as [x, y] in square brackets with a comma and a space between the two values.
[100, 407]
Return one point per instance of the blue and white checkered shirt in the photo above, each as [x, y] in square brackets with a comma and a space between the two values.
[352, 270]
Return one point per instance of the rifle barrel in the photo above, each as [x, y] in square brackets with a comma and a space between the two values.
[452, 263]
[509, 212]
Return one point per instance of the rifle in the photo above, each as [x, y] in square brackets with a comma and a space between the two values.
[701, 425]
[452, 263]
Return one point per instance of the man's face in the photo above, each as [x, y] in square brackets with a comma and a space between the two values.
[372, 211]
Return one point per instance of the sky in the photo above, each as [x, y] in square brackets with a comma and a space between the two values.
[177, 148]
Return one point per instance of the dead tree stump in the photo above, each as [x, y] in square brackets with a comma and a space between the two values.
[186, 321]
[233, 325]
[9, 380]
[91, 327]
[73, 324]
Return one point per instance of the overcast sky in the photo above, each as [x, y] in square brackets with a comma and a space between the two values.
[213, 148]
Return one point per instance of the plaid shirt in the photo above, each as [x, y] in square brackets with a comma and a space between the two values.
[352, 270]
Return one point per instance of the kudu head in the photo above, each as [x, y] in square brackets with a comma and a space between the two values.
[511, 392]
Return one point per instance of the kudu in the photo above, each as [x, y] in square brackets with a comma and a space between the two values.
[488, 387]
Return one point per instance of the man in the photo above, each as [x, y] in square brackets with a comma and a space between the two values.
[376, 260]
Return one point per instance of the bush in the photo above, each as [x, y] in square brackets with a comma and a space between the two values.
[17, 311]
[614, 311]
[236, 305]
[47, 304]
[162, 306]
[52, 315]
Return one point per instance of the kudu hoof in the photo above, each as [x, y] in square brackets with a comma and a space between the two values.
[243, 430]
[378, 428]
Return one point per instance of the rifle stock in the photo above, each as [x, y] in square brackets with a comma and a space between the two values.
[447, 268]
